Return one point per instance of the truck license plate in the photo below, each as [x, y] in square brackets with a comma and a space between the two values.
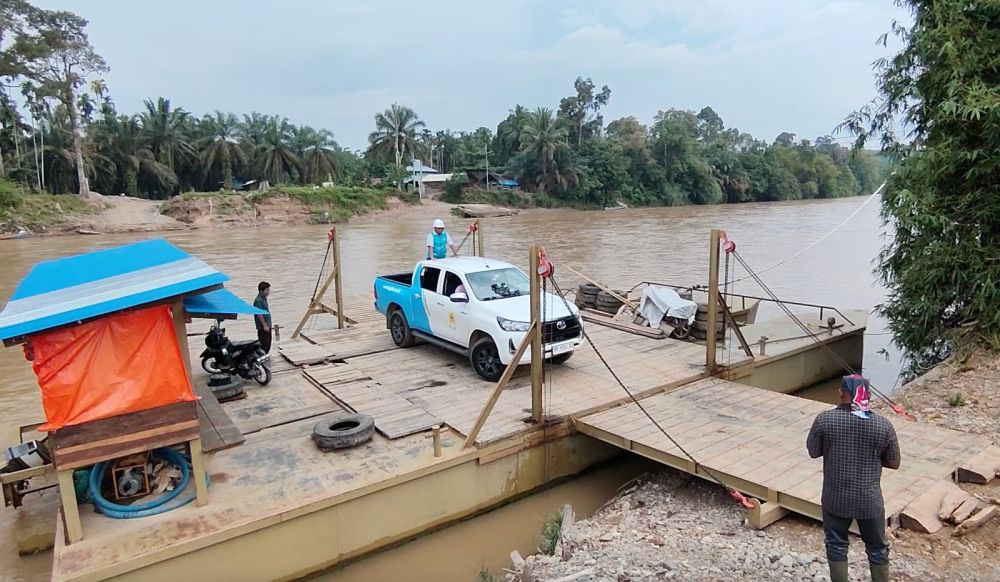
[561, 348]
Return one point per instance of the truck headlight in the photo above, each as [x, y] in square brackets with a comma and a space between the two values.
[510, 325]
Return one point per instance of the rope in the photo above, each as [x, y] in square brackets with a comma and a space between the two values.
[756, 277]
[736, 495]
[820, 239]
[322, 269]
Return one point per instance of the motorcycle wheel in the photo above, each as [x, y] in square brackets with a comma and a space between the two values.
[260, 373]
[209, 364]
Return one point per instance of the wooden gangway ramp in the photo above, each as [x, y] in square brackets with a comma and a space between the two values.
[754, 440]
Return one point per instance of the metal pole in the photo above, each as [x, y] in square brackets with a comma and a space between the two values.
[713, 298]
[537, 378]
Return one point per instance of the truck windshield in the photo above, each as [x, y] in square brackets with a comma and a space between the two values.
[499, 284]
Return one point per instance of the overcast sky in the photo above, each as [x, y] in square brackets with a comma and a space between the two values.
[765, 66]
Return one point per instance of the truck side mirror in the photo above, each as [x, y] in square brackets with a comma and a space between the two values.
[459, 298]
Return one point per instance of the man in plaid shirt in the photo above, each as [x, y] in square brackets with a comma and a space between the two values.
[855, 444]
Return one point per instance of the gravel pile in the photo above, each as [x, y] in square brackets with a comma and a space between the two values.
[675, 527]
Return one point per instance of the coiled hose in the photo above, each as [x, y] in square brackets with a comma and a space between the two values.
[163, 504]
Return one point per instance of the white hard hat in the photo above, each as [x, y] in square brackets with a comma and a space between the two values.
[438, 223]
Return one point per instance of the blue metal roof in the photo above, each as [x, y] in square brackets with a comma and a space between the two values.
[80, 287]
[219, 302]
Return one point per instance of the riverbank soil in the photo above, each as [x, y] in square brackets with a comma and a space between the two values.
[675, 527]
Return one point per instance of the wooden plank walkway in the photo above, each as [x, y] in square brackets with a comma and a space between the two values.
[394, 415]
[303, 353]
[217, 429]
[754, 440]
[353, 341]
[445, 385]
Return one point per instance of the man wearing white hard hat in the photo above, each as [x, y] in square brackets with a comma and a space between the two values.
[439, 241]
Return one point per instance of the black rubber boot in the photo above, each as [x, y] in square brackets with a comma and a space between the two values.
[880, 572]
[838, 572]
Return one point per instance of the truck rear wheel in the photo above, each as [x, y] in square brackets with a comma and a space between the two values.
[399, 329]
[485, 359]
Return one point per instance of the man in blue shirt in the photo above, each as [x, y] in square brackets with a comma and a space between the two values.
[439, 241]
[263, 321]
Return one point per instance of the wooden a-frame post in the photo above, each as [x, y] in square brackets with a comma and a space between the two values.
[532, 339]
[318, 304]
[711, 336]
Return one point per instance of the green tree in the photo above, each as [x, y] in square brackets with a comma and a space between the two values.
[50, 51]
[275, 159]
[542, 140]
[582, 111]
[396, 133]
[220, 150]
[941, 265]
[319, 164]
[164, 132]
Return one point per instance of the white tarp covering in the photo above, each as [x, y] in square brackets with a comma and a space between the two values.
[660, 302]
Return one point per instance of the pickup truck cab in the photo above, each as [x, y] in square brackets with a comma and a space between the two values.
[474, 306]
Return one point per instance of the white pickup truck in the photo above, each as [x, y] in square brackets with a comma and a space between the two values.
[474, 306]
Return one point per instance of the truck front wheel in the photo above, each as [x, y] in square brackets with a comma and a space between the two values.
[400, 330]
[485, 359]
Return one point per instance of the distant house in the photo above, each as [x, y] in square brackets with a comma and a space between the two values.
[417, 172]
[480, 178]
[427, 184]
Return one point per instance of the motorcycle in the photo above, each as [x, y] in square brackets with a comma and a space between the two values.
[245, 359]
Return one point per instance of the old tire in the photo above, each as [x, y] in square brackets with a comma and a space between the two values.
[562, 358]
[589, 290]
[225, 389]
[208, 364]
[485, 359]
[343, 430]
[399, 329]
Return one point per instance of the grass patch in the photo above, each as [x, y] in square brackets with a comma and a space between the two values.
[336, 203]
[956, 400]
[551, 532]
[22, 209]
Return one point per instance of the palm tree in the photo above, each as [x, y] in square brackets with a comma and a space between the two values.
[220, 149]
[396, 131]
[164, 132]
[275, 160]
[136, 166]
[542, 138]
[318, 161]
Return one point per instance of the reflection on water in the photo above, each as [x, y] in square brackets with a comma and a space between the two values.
[620, 247]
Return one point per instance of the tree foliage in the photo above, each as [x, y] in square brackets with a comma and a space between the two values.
[943, 89]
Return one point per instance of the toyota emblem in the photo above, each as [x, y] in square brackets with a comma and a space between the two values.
[560, 325]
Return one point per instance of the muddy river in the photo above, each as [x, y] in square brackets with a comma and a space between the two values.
[622, 247]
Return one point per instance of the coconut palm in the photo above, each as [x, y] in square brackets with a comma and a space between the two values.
[318, 161]
[275, 159]
[164, 132]
[396, 132]
[542, 139]
[220, 149]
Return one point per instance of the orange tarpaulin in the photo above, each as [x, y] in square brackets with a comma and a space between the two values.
[114, 365]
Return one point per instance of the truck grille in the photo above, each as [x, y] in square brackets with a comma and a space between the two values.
[552, 333]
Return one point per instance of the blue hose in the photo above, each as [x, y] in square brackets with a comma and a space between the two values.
[161, 505]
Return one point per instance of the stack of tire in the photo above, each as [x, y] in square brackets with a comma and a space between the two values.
[699, 329]
[608, 303]
[586, 298]
[225, 387]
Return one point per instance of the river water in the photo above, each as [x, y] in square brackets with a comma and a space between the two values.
[619, 247]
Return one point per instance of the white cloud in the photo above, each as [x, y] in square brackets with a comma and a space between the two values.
[766, 66]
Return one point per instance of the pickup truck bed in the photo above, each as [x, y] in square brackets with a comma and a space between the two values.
[403, 278]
